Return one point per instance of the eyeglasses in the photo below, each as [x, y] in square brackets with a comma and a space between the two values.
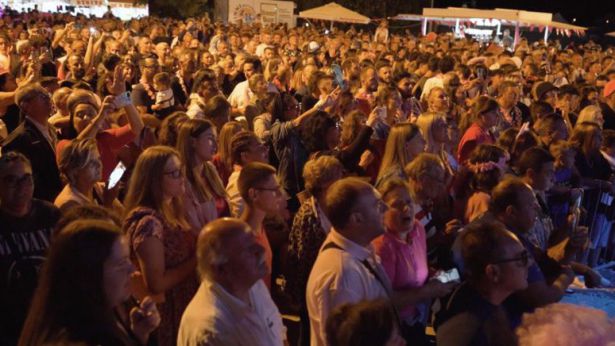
[175, 174]
[523, 259]
[13, 181]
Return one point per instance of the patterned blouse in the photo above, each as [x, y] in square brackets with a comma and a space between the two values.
[179, 246]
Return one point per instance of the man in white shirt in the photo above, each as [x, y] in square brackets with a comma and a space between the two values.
[347, 269]
[445, 65]
[266, 41]
[241, 95]
[232, 305]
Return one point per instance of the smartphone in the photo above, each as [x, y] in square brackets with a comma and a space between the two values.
[448, 276]
[338, 76]
[481, 73]
[116, 175]
[123, 100]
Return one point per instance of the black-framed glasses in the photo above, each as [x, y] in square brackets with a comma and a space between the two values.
[523, 258]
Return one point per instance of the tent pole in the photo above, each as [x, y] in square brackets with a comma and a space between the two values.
[424, 28]
[516, 40]
[546, 33]
[457, 28]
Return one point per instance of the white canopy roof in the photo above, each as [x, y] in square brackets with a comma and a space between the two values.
[524, 18]
[612, 34]
[335, 13]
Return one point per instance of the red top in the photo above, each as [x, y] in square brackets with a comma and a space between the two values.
[109, 143]
[473, 137]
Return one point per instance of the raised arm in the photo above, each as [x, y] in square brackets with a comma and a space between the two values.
[118, 87]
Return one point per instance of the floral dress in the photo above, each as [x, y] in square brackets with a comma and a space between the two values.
[179, 246]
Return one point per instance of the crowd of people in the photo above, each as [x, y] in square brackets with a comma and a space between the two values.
[185, 182]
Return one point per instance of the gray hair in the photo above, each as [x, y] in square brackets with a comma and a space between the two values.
[212, 245]
[28, 92]
[75, 157]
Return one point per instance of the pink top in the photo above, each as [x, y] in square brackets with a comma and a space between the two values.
[405, 261]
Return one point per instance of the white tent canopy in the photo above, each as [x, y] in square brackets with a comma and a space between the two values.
[335, 13]
[506, 16]
[612, 34]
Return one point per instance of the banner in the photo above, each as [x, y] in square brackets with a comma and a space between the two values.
[264, 11]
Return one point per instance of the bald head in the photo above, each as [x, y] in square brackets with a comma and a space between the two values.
[214, 241]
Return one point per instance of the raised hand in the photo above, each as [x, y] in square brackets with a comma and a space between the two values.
[117, 86]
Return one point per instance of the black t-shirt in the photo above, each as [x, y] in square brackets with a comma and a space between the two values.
[140, 97]
[466, 318]
[23, 247]
[609, 116]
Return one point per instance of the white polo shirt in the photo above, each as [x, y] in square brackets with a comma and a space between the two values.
[339, 277]
[215, 317]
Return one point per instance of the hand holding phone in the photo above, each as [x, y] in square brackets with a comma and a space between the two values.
[339, 76]
[116, 175]
[448, 276]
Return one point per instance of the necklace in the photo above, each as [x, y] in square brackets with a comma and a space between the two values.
[148, 88]
[182, 83]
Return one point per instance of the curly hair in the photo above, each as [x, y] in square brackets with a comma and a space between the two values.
[562, 324]
[320, 171]
[353, 122]
[313, 130]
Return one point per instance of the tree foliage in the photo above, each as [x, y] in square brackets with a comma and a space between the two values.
[178, 8]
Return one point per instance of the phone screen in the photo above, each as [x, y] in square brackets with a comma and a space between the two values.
[338, 75]
[448, 276]
[116, 175]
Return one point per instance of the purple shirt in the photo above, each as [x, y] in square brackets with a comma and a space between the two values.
[405, 261]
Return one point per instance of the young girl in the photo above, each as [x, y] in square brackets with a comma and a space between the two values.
[566, 182]
[487, 165]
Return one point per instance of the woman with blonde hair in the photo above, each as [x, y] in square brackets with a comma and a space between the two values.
[81, 168]
[404, 143]
[205, 197]
[434, 129]
[162, 245]
[222, 160]
[591, 114]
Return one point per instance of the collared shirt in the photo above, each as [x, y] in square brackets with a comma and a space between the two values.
[324, 220]
[543, 227]
[216, 317]
[339, 277]
[47, 132]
